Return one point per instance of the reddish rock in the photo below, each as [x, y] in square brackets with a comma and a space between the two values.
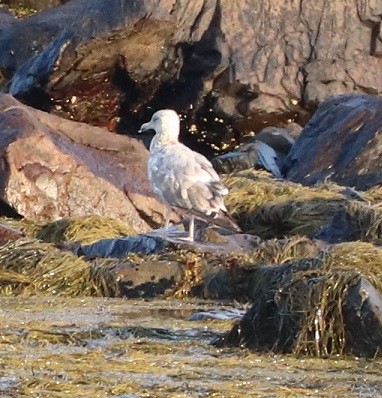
[53, 168]
[8, 233]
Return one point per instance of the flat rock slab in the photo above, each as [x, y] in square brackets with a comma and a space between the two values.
[342, 143]
[54, 168]
[121, 247]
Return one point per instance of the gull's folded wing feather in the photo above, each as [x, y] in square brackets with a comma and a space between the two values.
[186, 179]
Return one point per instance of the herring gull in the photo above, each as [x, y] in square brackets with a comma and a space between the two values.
[179, 176]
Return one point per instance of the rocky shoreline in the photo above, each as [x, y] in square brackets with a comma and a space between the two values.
[78, 212]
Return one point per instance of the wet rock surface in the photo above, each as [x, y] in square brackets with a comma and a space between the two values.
[341, 142]
[120, 247]
[147, 280]
[278, 138]
[154, 346]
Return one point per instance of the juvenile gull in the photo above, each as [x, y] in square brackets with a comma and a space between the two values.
[179, 176]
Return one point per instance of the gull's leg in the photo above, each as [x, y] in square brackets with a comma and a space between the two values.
[167, 216]
[191, 228]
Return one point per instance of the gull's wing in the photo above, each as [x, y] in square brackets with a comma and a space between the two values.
[186, 179]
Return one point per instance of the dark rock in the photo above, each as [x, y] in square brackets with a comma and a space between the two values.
[342, 228]
[6, 18]
[341, 143]
[354, 222]
[75, 20]
[53, 168]
[154, 243]
[153, 275]
[352, 194]
[235, 161]
[8, 211]
[221, 283]
[363, 319]
[259, 329]
[121, 247]
[256, 154]
[293, 129]
[128, 58]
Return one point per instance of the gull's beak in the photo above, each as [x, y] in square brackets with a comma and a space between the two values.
[145, 127]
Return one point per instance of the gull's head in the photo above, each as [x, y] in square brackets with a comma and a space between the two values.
[165, 123]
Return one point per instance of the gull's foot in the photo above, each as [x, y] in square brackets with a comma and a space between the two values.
[186, 238]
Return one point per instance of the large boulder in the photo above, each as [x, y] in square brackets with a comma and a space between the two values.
[342, 142]
[53, 168]
[95, 60]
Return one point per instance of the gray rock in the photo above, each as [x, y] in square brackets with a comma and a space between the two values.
[277, 138]
[342, 143]
[256, 154]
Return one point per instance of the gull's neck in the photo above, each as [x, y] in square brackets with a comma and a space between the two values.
[164, 138]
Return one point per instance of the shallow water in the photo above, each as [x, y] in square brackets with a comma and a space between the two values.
[90, 347]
